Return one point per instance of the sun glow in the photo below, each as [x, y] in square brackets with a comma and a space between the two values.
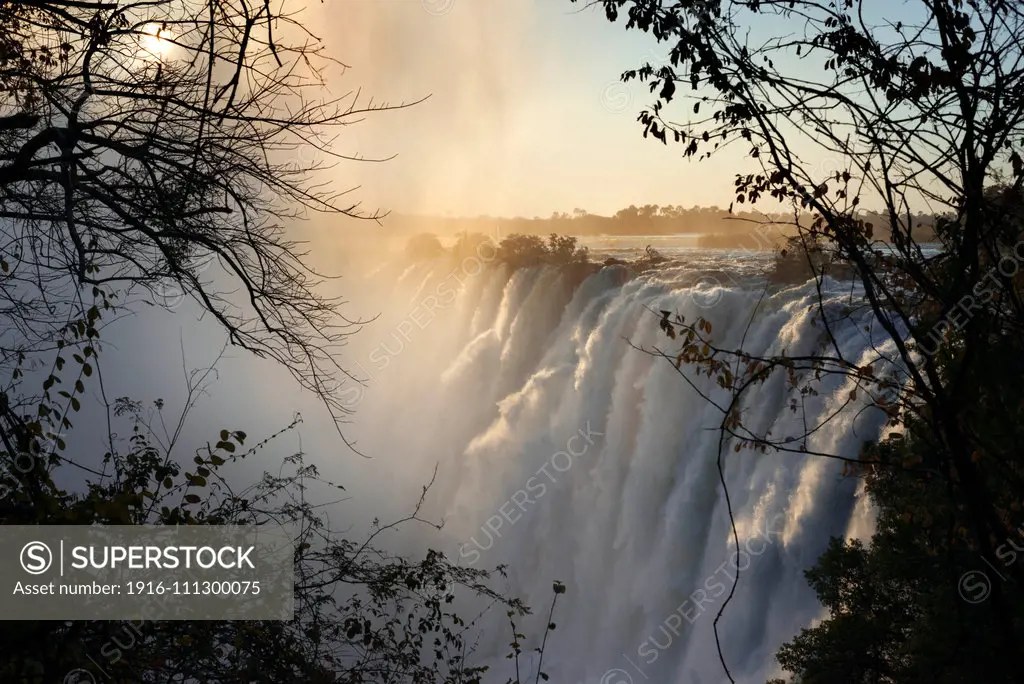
[157, 43]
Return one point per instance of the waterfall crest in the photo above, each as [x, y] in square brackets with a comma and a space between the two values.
[566, 453]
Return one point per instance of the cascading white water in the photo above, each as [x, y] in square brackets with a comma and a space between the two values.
[569, 455]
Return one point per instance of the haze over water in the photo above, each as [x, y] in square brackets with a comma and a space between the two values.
[568, 455]
[559, 449]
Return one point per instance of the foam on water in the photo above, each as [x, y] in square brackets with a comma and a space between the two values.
[596, 464]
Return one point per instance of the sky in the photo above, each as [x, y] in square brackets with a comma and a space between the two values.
[526, 113]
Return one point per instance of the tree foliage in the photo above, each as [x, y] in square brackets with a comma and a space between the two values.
[522, 251]
[166, 143]
[647, 220]
[920, 115]
[141, 142]
[362, 614]
[423, 246]
[909, 606]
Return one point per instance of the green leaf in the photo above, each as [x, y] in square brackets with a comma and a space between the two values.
[87, 369]
[191, 498]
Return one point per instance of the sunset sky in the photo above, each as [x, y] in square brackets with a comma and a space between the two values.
[526, 114]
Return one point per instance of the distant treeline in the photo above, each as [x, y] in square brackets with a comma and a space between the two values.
[649, 219]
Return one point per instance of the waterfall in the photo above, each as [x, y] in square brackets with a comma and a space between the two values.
[567, 454]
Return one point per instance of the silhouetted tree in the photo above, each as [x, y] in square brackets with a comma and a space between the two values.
[898, 608]
[522, 251]
[362, 614]
[141, 142]
[919, 116]
[424, 246]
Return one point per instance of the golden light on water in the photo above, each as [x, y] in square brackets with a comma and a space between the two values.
[157, 42]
